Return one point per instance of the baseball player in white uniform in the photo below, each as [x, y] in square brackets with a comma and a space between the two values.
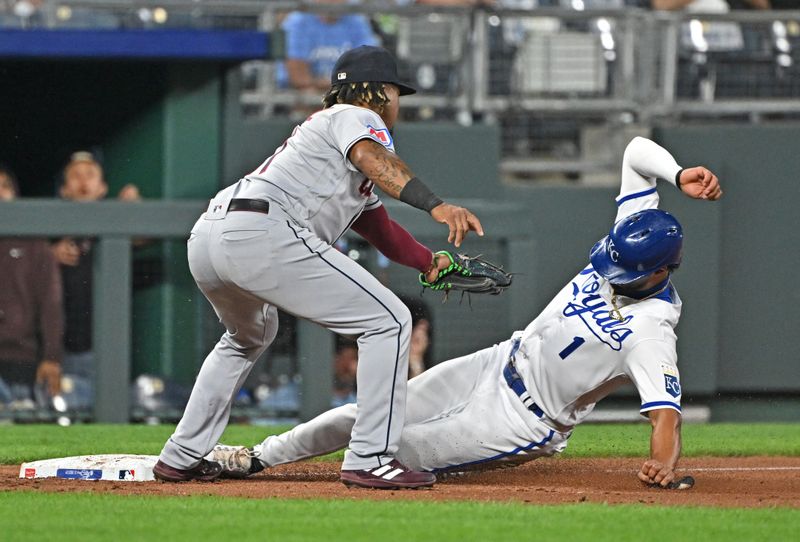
[265, 243]
[613, 323]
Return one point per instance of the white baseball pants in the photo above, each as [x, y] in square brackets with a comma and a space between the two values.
[461, 415]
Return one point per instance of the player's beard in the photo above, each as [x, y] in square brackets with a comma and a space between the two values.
[635, 291]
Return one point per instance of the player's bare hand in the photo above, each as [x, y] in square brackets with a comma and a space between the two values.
[49, 373]
[700, 183]
[655, 472]
[129, 192]
[459, 220]
[66, 252]
[440, 262]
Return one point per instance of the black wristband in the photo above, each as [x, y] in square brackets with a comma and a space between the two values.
[416, 194]
[678, 178]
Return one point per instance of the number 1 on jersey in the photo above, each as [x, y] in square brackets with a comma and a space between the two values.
[571, 347]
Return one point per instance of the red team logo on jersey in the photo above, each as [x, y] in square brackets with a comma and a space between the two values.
[366, 188]
[381, 134]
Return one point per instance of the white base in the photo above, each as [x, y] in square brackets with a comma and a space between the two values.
[119, 468]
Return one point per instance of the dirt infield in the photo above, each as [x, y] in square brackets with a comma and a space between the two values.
[731, 482]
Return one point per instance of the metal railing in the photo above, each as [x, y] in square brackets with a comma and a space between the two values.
[557, 79]
[553, 79]
[115, 224]
[542, 60]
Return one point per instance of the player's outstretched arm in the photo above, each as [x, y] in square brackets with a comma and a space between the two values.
[392, 175]
[699, 183]
[665, 447]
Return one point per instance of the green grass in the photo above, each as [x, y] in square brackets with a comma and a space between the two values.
[87, 517]
[20, 443]
[29, 515]
[713, 439]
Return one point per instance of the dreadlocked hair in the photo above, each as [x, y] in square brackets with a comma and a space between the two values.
[369, 93]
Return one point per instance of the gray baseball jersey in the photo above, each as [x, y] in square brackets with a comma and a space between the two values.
[248, 264]
[478, 410]
[310, 177]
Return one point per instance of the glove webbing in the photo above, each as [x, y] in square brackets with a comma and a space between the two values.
[454, 266]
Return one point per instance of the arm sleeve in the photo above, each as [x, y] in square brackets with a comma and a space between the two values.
[652, 367]
[50, 309]
[644, 161]
[392, 239]
[357, 123]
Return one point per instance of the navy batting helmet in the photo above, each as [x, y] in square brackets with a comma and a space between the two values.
[637, 245]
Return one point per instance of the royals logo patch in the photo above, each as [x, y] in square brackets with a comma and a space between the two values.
[671, 382]
[672, 385]
[381, 135]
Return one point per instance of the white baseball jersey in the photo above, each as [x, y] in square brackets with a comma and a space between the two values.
[310, 176]
[575, 353]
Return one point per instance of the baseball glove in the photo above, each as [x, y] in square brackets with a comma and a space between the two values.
[469, 274]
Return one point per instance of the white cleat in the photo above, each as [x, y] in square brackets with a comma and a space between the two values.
[236, 461]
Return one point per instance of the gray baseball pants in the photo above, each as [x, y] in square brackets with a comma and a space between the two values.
[248, 264]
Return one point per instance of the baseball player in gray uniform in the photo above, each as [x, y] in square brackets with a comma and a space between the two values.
[265, 243]
[520, 399]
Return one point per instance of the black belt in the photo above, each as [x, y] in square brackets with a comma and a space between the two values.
[255, 205]
[515, 382]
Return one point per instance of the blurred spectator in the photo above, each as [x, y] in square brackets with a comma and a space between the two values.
[420, 352]
[345, 364]
[314, 43]
[31, 319]
[420, 343]
[83, 181]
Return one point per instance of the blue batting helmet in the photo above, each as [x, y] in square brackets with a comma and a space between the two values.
[637, 245]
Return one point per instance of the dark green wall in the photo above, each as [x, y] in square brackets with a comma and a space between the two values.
[759, 167]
